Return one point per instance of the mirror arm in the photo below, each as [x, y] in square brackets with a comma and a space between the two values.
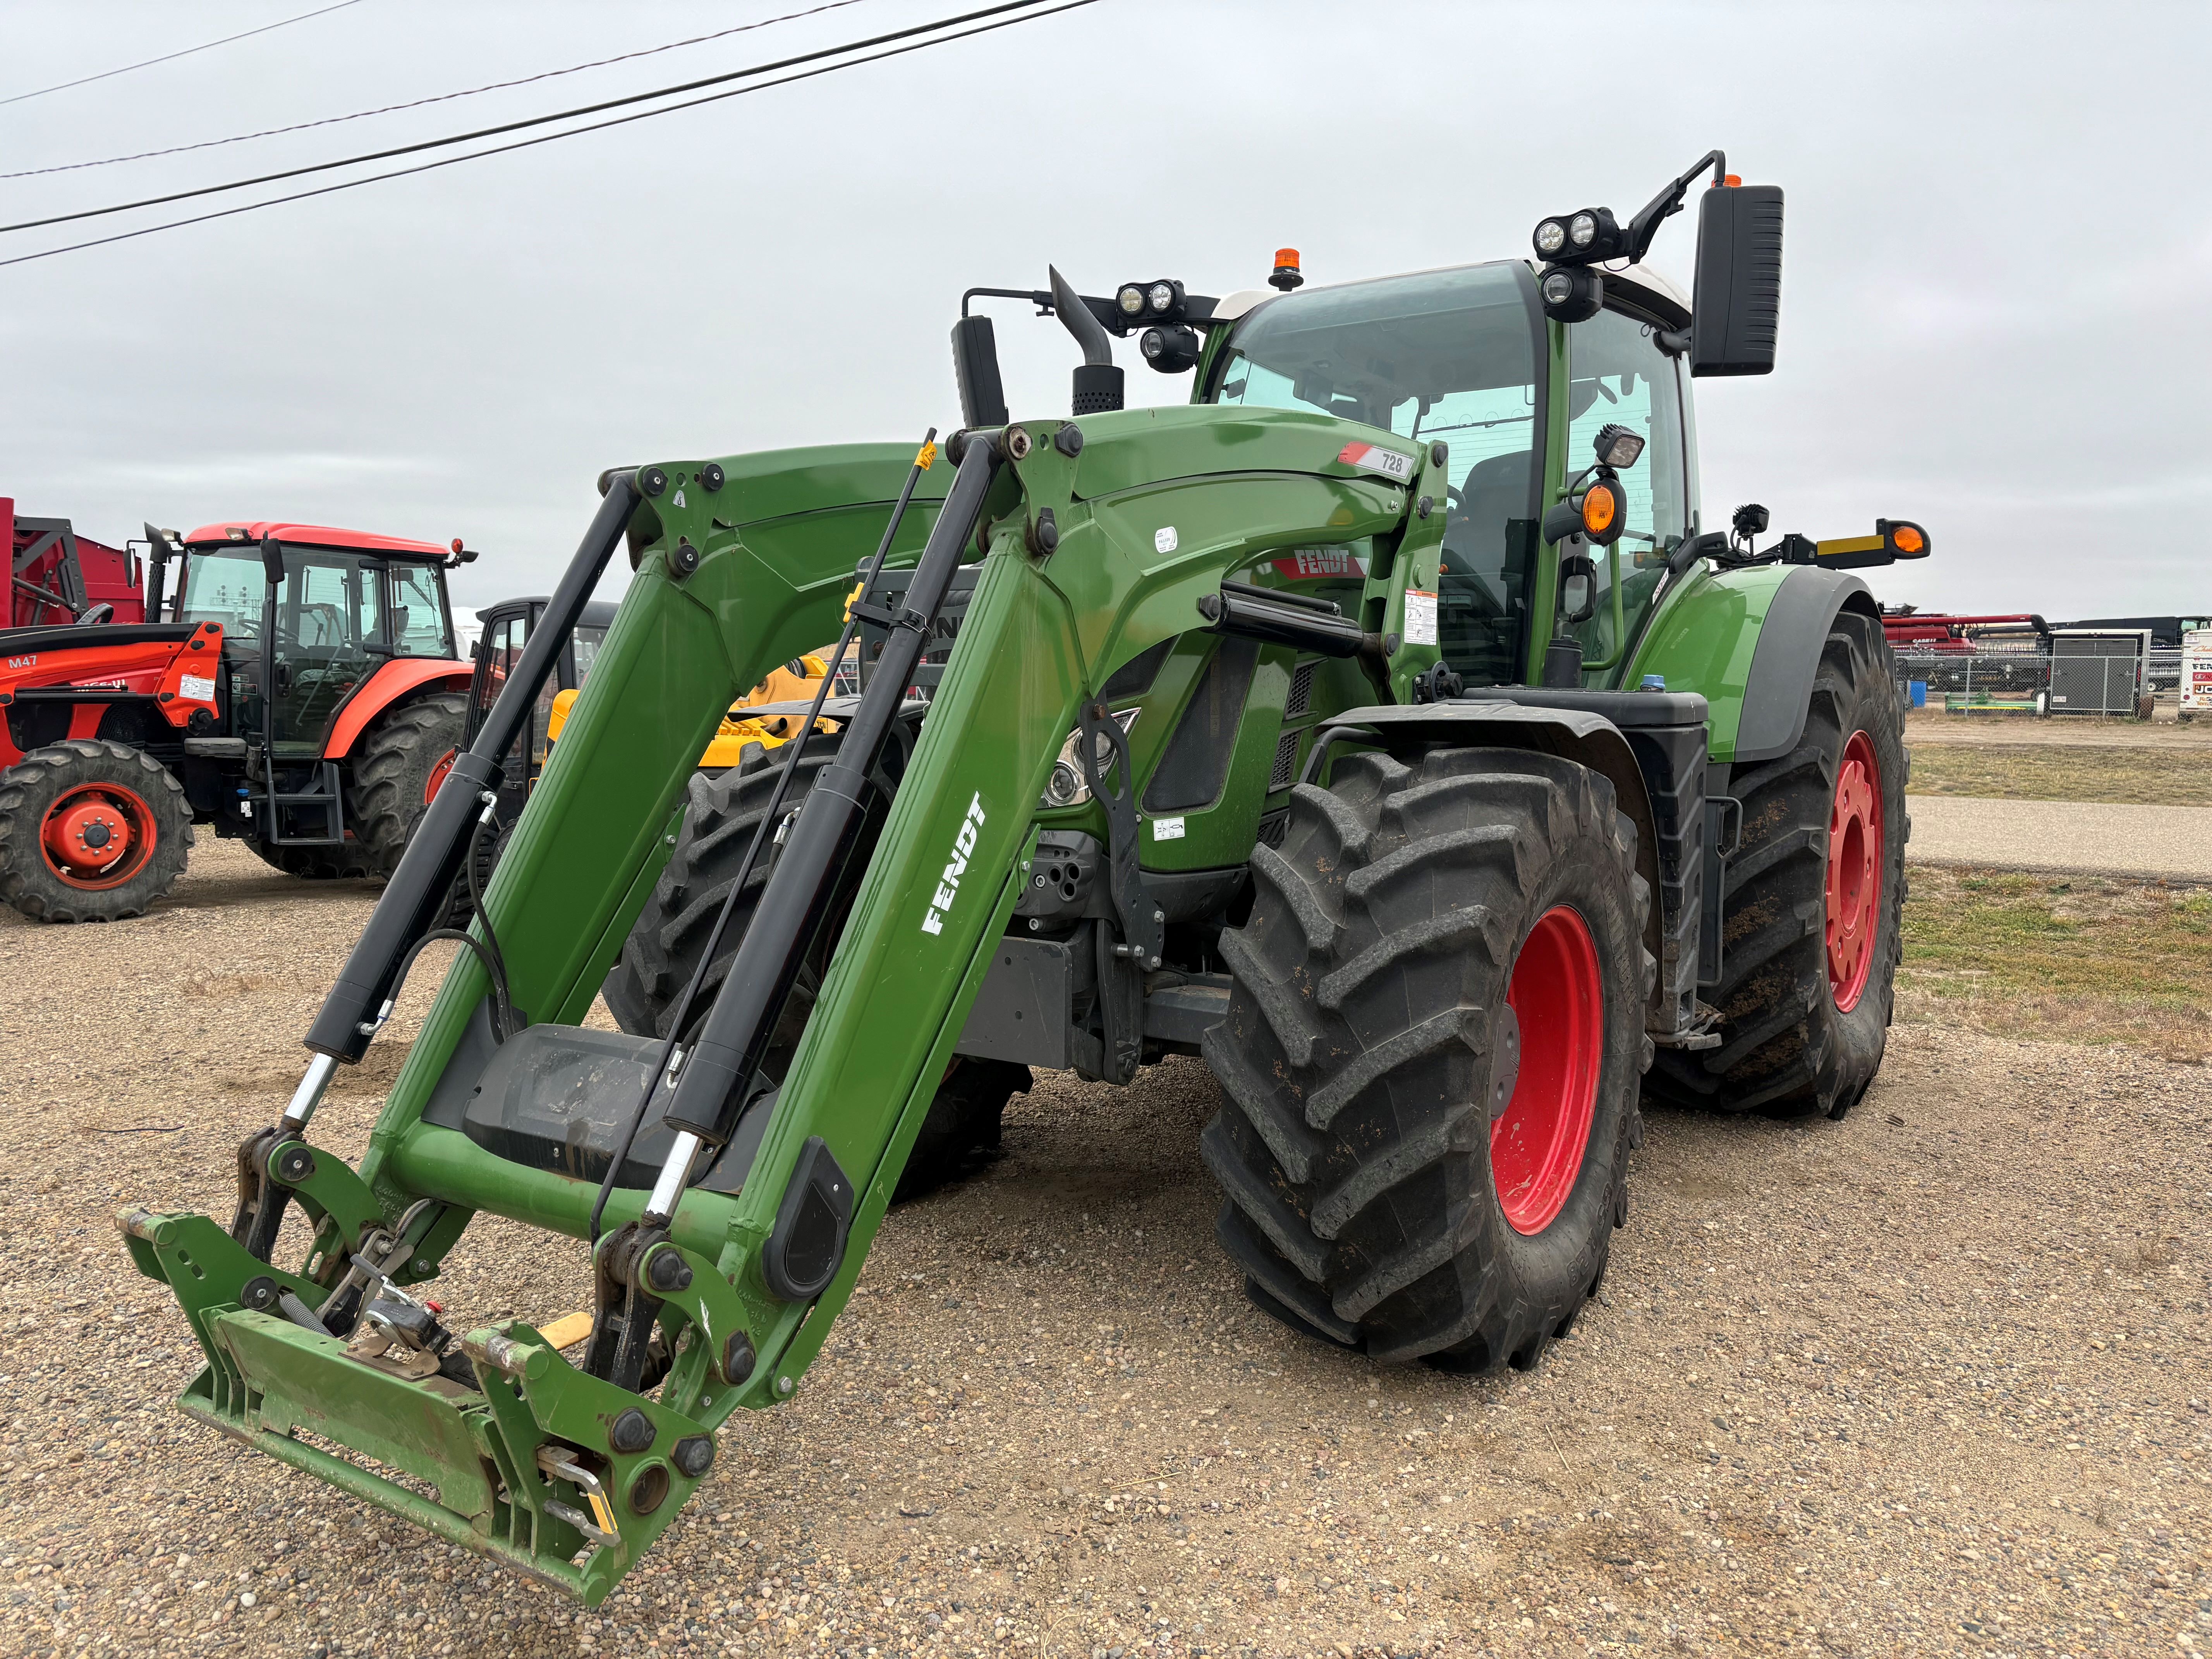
[1668, 203]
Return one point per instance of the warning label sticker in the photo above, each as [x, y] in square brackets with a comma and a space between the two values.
[1420, 616]
[196, 688]
[1167, 829]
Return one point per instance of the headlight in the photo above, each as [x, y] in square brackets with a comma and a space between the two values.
[1065, 786]
[1580, 229]
[1162, 296]
[1616, 446]
[1559, 289]
[1551, 237]
[1131, 299]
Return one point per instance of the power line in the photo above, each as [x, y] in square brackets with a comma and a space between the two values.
[441, 98]
[171, 57]
[1026, 16]
[517, 126]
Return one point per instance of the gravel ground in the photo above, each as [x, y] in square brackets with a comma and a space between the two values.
[1930, 1380]
[2069, 836]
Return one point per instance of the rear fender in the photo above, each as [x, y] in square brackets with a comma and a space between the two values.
[1749, 642]
[393, 683]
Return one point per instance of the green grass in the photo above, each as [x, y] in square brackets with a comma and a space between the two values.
[2085, 959]
[2175, 776]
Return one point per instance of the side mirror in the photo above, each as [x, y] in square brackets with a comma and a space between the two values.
[272, 561]
[976, 368]
[1736, 308]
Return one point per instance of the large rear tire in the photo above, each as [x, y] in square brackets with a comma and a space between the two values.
[665, 946]
[1431, 1055]
[90, 831]
[1812, 907]
[405, 756]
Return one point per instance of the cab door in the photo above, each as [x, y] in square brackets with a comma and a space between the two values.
[1617, 374]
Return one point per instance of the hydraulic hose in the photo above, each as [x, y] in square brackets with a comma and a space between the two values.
[414, 901]
[733, 1043]
[795, 748]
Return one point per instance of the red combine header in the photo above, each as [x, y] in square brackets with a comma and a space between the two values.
[1927, 633]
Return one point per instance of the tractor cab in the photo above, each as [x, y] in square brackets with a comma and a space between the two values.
[308, 613]
[507, 627]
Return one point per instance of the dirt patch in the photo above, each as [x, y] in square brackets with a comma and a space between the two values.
[1932, 727]
[2141, 775]
[2080, 959]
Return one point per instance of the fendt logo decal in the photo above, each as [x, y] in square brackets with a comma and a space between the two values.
[948, 886]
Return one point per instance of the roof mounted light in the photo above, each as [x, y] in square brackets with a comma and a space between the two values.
[1286, 275]
[1131, 299]
[1551, 236]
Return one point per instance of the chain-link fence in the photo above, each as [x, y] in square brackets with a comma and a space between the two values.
[2074, 677]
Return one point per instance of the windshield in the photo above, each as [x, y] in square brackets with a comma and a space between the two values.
[1448, 355]
[224, 587]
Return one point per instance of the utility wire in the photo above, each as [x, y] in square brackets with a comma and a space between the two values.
[517, 126]
[441, 98]
[1026, 16]
[171, 57]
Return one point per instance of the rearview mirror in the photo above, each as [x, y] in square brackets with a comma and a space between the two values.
[976, 367]
[1736, 308]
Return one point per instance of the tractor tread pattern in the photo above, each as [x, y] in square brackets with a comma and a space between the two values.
[32, 890]
[1354, 1060]
[1785, 1048]
[398, 753]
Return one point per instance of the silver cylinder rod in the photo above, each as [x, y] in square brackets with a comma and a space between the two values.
[668, 1191]
[309, 1094]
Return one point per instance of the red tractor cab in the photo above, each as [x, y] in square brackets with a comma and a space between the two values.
[301, 692]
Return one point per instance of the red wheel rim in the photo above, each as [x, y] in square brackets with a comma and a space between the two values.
[438, 775]
[1537, 1143]
[1854, 872]
[97, 835]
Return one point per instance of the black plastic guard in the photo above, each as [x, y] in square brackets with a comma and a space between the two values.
[808, 1244]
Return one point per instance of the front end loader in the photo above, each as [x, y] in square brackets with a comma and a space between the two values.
[1382, 728]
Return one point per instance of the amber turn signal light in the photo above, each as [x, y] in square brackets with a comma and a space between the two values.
[1600, 507]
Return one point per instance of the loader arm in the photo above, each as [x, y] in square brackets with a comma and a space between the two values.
[1151, 509]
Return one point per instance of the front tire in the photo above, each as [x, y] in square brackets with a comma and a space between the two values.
[670, 936]
[1813, 905]
[90, 831]
[1431, 1055]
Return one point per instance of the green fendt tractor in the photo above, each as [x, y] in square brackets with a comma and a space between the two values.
[1384, 727]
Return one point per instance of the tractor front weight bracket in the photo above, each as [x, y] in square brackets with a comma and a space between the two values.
[557, 1472]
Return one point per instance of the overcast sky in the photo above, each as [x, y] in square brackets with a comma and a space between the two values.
[1995, 299]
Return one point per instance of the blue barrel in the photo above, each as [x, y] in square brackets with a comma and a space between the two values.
[1917, 691]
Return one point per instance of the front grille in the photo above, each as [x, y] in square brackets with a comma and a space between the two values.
[1286, 762]
[1300, 699]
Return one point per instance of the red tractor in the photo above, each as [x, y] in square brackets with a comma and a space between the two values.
[300, 690]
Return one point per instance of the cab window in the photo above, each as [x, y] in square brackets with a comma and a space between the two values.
[1617, 375]
[1450, 354]
[419, 626]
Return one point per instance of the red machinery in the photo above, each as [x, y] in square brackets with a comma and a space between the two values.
[1929, 634]
[299, 690]
[59, 577]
